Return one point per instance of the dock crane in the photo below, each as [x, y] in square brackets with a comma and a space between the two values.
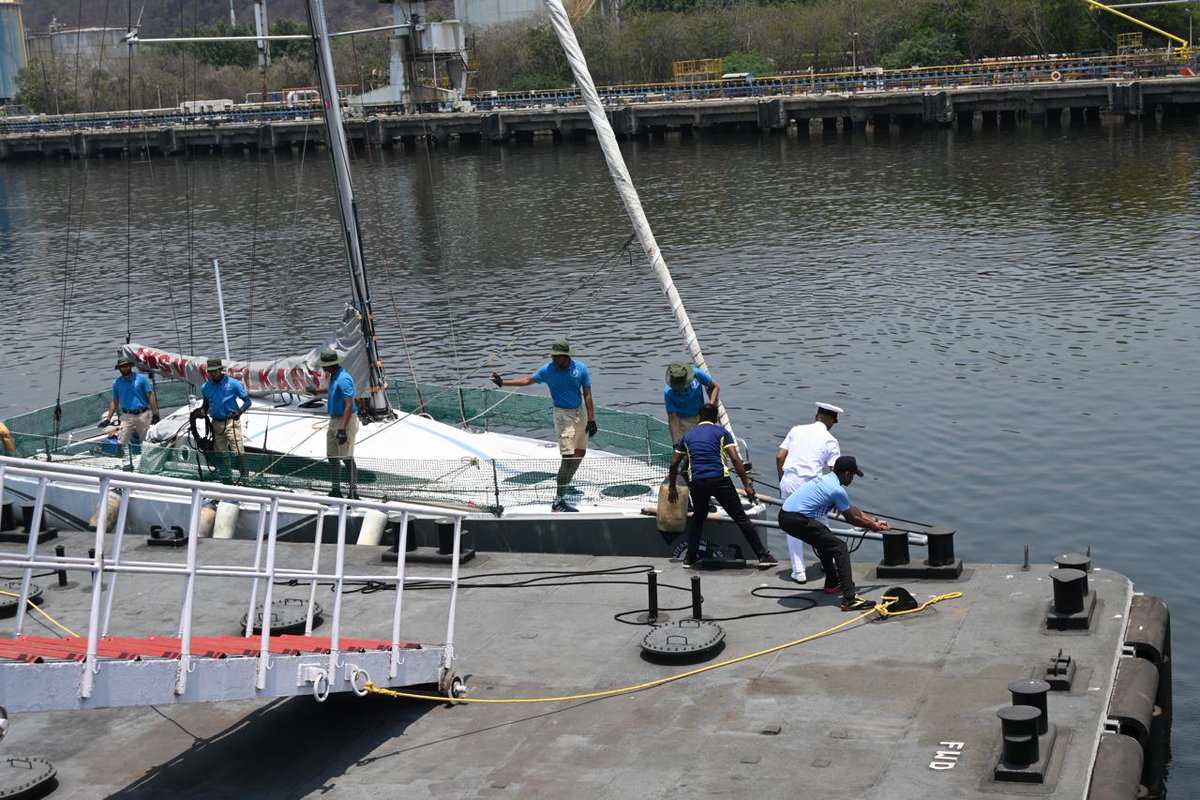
[1184, 45]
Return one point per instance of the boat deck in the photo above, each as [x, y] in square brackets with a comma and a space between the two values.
[862, 713]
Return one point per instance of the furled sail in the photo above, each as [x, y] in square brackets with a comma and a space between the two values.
[286, 374]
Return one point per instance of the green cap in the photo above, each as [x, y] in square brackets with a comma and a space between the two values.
[329, 358]
[561, 347]
[679, 373]
[123, 360]
[214, 364]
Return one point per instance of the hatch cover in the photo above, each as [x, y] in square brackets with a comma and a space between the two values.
[683, 638]
[11, 596]
[288, 615]
[21, 775]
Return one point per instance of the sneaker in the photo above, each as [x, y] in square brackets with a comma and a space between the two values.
[766, 561]
[858, 604]
[562, 505]
[831, 589]
[799, 578]
[689, 564]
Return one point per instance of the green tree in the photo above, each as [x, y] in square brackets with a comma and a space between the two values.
[924, 48]
[220, 54]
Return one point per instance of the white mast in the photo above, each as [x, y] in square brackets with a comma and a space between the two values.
[625, 187]
[335, 136]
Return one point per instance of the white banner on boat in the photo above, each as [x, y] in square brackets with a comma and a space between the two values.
[287, 374]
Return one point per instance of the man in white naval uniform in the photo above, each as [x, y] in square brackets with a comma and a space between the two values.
[806, 452]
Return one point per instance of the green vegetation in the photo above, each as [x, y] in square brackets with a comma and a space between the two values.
[759, 36]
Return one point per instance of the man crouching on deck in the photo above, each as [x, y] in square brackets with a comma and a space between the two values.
[710, 448]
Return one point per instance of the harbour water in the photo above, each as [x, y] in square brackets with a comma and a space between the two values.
[1008, 316]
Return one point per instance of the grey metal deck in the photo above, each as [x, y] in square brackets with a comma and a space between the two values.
[858, 714]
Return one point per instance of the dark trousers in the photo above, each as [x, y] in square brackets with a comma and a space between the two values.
[834, 555]
[723, 491]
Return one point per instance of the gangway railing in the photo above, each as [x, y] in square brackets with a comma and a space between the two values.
[99, 669]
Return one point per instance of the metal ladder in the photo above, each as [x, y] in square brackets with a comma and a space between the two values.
[99, 670]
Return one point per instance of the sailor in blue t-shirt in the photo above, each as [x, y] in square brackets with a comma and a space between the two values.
[709, 450]
[132, 395]
[343, 423]
[570, 386]
[803, 516]
[225, 400]
[683, 395]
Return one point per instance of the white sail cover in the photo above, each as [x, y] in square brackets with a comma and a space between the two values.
[286, 374]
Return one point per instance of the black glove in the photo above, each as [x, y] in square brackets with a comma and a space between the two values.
[496, 379]
[341, 436]
[155, 418]
[235, 415]
[591, 427]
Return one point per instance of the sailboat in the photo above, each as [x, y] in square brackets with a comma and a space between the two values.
[428, 444]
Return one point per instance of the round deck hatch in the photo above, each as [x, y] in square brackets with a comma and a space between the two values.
[12, 597]
[21, 776]
[684, 638]
[288, 615]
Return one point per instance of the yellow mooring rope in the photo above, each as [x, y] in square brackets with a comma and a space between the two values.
[880, 608]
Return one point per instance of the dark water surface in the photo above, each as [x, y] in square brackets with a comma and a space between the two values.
[1009, 317]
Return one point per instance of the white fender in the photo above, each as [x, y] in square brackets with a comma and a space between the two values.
[226, 520]
[372, 527]
[114, 505]
[208, 518]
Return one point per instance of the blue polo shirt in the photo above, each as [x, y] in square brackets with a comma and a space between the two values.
[341, 386]
[818, 497]
[565, 384]
[686, 402]
[132, 393]
[705, 445]
[223, 396]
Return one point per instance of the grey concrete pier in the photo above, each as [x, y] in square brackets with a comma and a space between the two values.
[998, 104]
[898, 709]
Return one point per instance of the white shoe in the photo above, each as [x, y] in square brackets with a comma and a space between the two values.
[799, 577]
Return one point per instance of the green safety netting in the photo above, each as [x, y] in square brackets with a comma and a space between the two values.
[642, 443]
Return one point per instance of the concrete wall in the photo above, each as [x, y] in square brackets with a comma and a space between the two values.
[482, 13]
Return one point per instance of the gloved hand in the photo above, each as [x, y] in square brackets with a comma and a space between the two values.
[341, 436]
[496, 379]
[155, 418]
[105, 420]
[592, 429]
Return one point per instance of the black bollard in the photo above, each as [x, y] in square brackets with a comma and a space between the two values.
[652, 591]
[1069, 590]
[27, 516]
[1019, 726]
[697, 600]
[895, 548]
[1075, 561]
[1031, 692]
[61, 552]
[940, 539]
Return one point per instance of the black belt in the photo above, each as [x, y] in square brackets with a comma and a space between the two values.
[220, 419]
[134, 410]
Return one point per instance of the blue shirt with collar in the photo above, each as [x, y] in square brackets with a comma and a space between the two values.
[565, 383]
[705, 446]
[686, 402]
[223, 396]
[341, 386]
[818, 497]
[132, 393]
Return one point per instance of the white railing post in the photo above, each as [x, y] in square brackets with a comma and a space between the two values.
[118, 541]
[189, 594]
[316, 565]
[35, 528]
[401, 559]
[449, 654]
[339, 570]
[258, 548]
[264, 651]
[93, 635]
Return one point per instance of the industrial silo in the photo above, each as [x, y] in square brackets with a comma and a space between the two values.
[12, 47]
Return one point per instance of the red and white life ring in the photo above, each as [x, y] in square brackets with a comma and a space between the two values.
[1056, 76]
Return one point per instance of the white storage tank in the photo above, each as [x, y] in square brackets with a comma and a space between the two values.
[12, 48]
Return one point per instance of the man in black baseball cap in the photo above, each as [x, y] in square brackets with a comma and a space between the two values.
[803, 516]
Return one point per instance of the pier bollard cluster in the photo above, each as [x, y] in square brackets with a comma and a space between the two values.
[1027, 737]
[941, 563]
[1073, 605]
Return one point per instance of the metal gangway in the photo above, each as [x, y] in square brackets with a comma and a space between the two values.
[177, 663]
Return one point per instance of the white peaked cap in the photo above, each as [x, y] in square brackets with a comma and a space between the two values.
[830, 407]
